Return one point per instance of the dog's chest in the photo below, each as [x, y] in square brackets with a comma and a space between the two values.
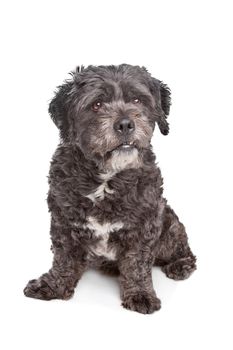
[102, 232]
[100, 192]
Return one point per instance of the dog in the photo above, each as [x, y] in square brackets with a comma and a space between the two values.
[105, 189]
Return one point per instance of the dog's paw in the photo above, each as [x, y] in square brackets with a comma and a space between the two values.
[180, 269]
[142, 302]
[39, 289]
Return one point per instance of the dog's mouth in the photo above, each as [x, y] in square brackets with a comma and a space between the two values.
[125, 146]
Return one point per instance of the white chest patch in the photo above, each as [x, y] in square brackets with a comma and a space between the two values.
[103, 231]
[99, 193]
[119, 161]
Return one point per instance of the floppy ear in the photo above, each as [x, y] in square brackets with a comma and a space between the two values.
[165, 100]
[162, 92]
[59, 108]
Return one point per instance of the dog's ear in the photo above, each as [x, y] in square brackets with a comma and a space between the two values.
[165, 103]
[165, 97]
[59, 107]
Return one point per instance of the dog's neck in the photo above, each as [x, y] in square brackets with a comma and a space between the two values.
[118, 160]
[92, 174]
[113, 163]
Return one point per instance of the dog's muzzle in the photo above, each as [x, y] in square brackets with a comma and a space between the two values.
[124, 128]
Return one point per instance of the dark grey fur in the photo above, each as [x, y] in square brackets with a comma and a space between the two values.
[128, 215]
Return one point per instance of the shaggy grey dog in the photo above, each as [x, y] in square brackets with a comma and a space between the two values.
[105, 196]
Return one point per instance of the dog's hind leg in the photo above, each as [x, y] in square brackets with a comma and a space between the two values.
[173, 253]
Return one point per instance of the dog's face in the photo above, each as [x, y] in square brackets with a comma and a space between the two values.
[109, 109]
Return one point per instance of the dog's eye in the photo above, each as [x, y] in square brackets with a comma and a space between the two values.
[96, 106]
[136, 100]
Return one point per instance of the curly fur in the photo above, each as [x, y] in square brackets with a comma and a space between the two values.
[106, 199]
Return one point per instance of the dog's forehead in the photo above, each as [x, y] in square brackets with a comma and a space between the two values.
[114, 82]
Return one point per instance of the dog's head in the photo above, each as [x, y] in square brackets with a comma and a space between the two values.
[110, 109]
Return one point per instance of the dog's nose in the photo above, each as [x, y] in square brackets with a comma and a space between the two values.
[124, 126]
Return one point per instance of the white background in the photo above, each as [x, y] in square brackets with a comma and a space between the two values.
[187, 44]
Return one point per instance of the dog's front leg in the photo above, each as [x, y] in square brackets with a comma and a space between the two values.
[60, 281]
[137, 291]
